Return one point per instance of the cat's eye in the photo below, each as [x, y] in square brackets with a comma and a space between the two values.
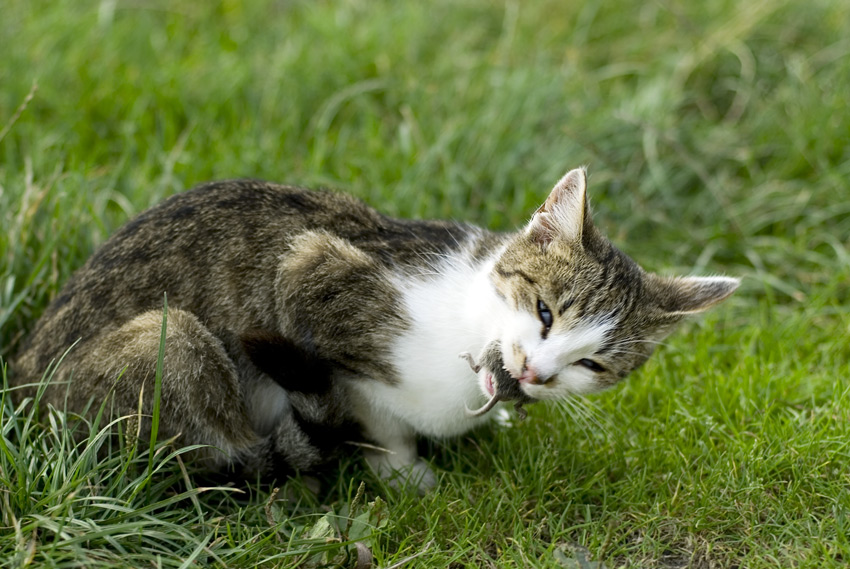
[544, 314]
[590, 364]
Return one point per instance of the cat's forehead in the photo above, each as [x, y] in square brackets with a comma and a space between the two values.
[595, 260]
[592, 279]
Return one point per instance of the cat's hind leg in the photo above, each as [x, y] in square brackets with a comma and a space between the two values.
[201, 400]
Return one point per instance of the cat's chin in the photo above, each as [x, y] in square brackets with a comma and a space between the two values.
[561, 389]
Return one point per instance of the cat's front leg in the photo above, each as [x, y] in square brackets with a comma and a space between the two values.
[344, 305]
[341, 303]
[394, 457]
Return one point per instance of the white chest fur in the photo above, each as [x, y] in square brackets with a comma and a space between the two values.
[455, 309]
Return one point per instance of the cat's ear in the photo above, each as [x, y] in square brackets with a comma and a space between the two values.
[564, 214]
[680, 296]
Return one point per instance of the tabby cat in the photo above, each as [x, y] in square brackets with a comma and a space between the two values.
[298, 318]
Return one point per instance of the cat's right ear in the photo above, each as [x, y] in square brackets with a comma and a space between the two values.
[564, 214]
[683, 296]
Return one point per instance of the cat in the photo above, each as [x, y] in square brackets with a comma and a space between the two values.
[298, 318]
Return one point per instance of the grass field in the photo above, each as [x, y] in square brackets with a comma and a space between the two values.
[717, 135]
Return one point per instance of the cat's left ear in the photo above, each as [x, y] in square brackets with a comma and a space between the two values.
[681, 296]
[564, 214]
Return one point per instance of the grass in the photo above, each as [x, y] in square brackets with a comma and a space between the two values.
[717, 140]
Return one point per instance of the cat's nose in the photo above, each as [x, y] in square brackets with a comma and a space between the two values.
[531, 377]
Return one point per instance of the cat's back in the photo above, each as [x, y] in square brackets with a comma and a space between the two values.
[213, 249]
[206, 237]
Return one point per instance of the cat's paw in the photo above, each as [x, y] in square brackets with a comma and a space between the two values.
[417, 476]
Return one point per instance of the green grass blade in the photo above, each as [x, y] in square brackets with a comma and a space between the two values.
[157, 394]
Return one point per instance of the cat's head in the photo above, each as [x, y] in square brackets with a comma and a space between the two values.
[582, 314]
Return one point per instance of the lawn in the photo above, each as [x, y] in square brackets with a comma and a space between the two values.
[717, 138]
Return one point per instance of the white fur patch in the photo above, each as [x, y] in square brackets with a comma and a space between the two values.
[560, 350]
[267, 403]
[556, 355]
[454, 309]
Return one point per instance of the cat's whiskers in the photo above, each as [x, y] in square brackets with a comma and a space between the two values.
[583, 411]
